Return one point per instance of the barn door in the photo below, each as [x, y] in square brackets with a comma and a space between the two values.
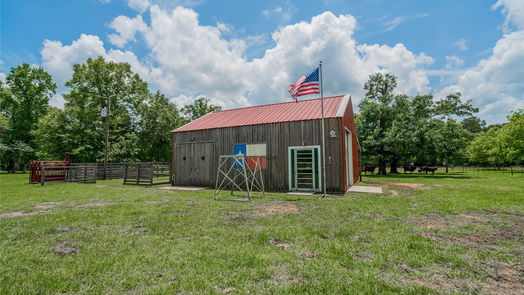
[183, 164]
[202, 169]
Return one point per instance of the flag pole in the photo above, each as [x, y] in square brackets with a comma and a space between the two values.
[322, 133]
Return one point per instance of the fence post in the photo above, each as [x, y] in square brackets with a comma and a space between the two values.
[137, 173]
[125, 173]
[42, 176]
[152, 173]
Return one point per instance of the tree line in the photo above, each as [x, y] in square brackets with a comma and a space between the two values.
[139, 120]
[422, 130]
[394, 129]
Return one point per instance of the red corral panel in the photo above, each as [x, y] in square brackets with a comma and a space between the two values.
[264, 114]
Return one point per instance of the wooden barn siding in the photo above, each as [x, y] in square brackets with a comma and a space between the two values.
[278, 137]
[348, 121]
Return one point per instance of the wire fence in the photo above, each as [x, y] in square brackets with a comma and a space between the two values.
[513, 170]
[488, 169]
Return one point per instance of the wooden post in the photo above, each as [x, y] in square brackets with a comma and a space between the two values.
[125, 173]
[152, 174]
[42, 176]
[137, 173]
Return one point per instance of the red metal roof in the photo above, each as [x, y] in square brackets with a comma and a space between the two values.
[270, 113]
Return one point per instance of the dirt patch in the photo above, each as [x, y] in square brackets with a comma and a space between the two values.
[480, 231]
[139, 229]
[48, 205]
[20, 213]
[95, 204]
[399, 185]
[495, 277]
[282, 276]
[278, 243]
[307, 254]
[226, 290]
[63, 229]
[65, 247]
[393, 192]
[506, 278]
[365, 255]
[268, 210]
[192, 202]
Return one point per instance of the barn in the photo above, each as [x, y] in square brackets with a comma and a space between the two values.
[287, 138]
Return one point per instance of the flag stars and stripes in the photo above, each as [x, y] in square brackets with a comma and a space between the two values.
[307, 84]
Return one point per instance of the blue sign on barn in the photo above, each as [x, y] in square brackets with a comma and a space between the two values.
[239, 149]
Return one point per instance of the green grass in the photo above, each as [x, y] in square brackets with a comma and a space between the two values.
[454, 236]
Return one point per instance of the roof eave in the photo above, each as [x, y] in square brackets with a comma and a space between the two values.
[178, 129]
[343, 105]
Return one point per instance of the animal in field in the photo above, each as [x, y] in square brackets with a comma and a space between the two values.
[409, 168]
[366, 169]
[428, 169]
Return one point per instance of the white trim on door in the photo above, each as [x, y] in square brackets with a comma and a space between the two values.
[349, 158]
[316, 149]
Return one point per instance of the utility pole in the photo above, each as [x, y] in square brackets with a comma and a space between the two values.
[105, 112]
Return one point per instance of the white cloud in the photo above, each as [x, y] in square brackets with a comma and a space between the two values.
[283, 13]
[453, 62]
[59, 59]
[496, 83]
[395, 22]
[57, 100]
[461, 44]
[139, 5]
[186, 59]
[126, 29]
[514, 11]
[105, 1]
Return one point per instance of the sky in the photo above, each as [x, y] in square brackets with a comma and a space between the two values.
[240, 53]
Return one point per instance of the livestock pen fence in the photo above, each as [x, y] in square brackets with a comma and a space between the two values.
[149, 173]
[64, 173]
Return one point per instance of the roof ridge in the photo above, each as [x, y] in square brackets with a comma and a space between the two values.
[276, 103]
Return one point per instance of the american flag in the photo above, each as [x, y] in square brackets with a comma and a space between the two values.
[307, 84]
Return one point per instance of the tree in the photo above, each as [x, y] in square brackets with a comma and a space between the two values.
[52, 137]
[158, 117]
[485, 149]
[401, 133]
[500, 145]
[24, 98]
[450, 141]
[199, 108]
[377, 115]
[473, 124]
[95, 85]
[512, 138]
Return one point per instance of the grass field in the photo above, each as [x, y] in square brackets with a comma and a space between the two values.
[456, 233]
